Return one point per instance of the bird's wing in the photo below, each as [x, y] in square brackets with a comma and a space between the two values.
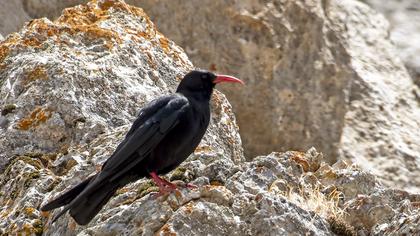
[144, 114]
[153, 123]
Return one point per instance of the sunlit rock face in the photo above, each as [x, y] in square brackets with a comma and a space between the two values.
[404, 19]
[326, 72]
[70, 89]
[318, 73]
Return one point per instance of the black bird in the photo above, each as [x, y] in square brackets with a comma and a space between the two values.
[165, 133]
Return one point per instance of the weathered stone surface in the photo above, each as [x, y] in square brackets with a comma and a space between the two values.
[71, 88]
[66, 83]
[47, 8]
[404, 18]
[239, 203]
[325, 70]
[274, 47]
[15, 13]
[400, 224]
[12, 16]
[383, 113]
[327, 82]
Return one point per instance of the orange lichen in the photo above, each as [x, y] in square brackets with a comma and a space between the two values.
[37, 73]
[37, 116]
[216, 183]
[31, 41]
[86, 18]
[44, 214]
[120, 5]
[71, 225]
[150, 60]
[28, 39]
[85, 21]
[4, 51]
[165, 230]
[203, 148]
[29, 210]
[105, 5]
[81, 15]
[164, 43]
[93, 31]
[189, 208]
[42, 28]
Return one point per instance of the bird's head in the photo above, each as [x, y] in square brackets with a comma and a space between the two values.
[200, 83]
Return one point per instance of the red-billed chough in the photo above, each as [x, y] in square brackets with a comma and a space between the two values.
[165, 133]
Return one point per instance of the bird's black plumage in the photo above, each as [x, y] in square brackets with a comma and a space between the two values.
[165, 133]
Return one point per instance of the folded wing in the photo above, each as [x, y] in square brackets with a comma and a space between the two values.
[153, 123]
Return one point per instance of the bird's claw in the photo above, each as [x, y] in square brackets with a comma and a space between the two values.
[170, 185]
[166, 187]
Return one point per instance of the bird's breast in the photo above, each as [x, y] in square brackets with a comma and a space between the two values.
[180, 142]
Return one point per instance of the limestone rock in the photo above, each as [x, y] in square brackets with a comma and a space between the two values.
[71, 88]
[325, 70]
[243, 202]
[12, 16]
[47, 8]
[404, 18]
[328, 82]
[70, 85]
[400, 224]
[15, 13]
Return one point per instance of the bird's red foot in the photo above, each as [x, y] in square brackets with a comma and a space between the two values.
[169, 185]
[165, 186]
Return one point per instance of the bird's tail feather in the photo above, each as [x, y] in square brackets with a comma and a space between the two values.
[86, 208]
[68, 196]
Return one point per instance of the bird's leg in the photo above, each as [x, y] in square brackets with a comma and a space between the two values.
[164, 185]
[173, 186]
[158, 181]
[169, 184]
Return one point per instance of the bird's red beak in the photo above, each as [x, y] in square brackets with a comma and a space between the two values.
[227, 78]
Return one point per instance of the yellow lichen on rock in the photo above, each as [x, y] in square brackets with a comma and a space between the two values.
[37, 116]
[4, 51]
[38, 73]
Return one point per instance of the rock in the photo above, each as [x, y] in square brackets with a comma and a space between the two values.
[48, 8]
[70, 90]
[12, 16]
[404, 18]
[325, 82]
[326, 72]
[55, 87]
[400, 224]
[383, 112]
[240, 203]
